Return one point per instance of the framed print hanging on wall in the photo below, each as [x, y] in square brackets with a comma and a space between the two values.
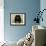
[17, 19]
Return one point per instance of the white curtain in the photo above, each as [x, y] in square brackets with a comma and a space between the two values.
[1, 20]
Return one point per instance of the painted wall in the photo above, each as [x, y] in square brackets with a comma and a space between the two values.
[30, 7]
[43, 6]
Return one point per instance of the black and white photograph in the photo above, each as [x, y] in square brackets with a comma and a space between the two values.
[17, 18]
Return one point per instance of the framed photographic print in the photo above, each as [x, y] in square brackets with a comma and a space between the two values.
[17, 18]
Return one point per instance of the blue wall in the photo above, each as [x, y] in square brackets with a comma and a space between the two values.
[43, 6]
[14, 33]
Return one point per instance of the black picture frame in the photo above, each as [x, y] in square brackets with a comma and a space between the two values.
[21, 21]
